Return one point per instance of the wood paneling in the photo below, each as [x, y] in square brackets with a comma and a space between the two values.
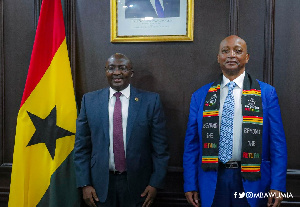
[174, 69]
[269, 41]
[1, 83]
[234, 17]
[251, 29]
[17, 30]
[287, 73]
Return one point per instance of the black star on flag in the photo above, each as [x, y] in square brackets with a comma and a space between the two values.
[47, 131]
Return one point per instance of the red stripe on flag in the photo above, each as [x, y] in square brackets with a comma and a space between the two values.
[49, 36]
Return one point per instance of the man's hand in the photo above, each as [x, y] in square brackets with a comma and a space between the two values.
[89, 195]
[151, 191]
[276, 195]
[192, 198]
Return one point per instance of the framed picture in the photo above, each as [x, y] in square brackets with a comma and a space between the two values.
[152, 20]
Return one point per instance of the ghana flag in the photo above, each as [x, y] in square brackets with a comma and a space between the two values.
[43, 171]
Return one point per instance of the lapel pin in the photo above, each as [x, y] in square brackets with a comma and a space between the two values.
[136, 99]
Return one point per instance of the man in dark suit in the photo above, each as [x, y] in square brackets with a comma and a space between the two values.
[152, 8]
[121, 154]
[235, 150]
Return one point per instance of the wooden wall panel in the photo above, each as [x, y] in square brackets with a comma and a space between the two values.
[287, 73]
[251, 29]
[18, 37]
[1, 81]
[174, 69]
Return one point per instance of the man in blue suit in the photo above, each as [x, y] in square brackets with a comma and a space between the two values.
[235, 149]
[121, 154]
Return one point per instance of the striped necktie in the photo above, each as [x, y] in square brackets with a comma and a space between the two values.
[118, 142]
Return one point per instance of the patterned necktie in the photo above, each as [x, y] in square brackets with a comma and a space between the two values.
[159, 9]
[118, 142]
[226, 129]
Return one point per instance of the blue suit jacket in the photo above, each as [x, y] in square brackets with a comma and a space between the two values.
[146, 149]
[274, 152]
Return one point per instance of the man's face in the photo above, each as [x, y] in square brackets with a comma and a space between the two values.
[233, 55]
[118, 72]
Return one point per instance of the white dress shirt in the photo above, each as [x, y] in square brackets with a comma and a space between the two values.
[111, 105]
[238, 118]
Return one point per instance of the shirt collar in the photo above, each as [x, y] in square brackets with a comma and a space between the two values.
[125, 92]
[239, 81]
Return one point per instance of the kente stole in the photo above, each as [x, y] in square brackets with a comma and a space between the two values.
[252, 127]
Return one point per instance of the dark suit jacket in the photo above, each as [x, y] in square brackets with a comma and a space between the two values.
[274, 152]
[144, 8]
[146, 150]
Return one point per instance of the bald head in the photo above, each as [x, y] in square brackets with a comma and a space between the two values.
[234, 38]
[120, 56]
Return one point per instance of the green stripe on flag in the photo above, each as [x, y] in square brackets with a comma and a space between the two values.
[62, 191]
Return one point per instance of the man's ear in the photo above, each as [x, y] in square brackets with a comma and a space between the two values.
[247, 57]
[218, 58]
[132, 72]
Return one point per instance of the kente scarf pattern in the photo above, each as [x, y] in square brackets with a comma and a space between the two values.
[252, 127]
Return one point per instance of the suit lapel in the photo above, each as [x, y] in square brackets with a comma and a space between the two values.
[134, 105]
[103, 99]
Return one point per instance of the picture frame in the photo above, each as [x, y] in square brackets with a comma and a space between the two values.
[145, 21]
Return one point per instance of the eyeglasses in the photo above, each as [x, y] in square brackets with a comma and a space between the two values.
[113, 68]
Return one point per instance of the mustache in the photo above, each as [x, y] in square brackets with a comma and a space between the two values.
[117, 76]
[232, 60]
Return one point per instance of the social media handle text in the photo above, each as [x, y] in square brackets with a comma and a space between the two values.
[263, 195]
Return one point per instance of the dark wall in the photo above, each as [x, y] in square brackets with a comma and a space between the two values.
[287, 73]
[17, 35]
[173, 69]
[251, 29]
